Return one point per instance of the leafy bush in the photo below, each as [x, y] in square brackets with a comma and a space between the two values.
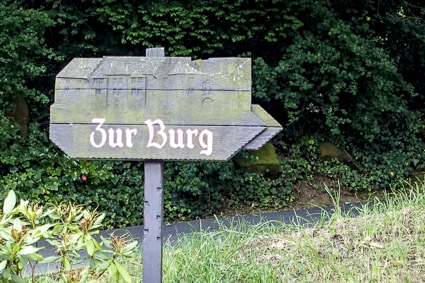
[69, 230]
[348, 72]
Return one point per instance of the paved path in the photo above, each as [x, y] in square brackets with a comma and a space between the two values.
[172, 231]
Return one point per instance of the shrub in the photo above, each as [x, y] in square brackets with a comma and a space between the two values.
[70, 229]
[348, 72]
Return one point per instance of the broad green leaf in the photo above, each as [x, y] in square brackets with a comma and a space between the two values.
[98, 221]
[32, 240]
[90, 247]
[95, 232]
[113, 269]
[20, 262]
[34, 257]
[75, 237]
[58, 228]
[16, 248]
[50, 213]
[17, 224]
[3, 265]
[5, 234]
[101, 256]
[103, 266]
[23, 205]
[66, 264]
[130, 247]
[123, 272]
[106, 242]
[6, 273]
[42, 230]
[97, 245]
[28, 250]
[9, 202]
[50, 259]
[53, 242]
[17, 279]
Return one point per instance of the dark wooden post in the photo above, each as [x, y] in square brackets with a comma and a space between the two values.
[153, 210]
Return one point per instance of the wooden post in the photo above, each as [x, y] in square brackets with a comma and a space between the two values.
[153, 210]
[153, 214]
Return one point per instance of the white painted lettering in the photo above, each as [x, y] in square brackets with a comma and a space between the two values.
[157, 133]
[180, 142]
[160, 132]
[99, 129]
[129, 133]
[207, 146]
[112, 142]
[190, 134]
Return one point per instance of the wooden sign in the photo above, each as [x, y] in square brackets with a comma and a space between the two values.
[157, 108]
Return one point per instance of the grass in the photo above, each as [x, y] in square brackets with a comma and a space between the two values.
[385, 243]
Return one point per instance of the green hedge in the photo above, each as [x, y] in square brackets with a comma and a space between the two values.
[348, 72]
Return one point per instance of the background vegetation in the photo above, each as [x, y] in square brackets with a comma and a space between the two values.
[348, 72]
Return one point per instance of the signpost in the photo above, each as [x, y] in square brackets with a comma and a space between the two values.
[157, 108]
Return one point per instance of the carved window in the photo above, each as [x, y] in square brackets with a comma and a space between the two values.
[115, 92]
[133, 92]
[98, 91]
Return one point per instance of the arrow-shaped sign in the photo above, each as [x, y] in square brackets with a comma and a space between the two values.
[162, 108]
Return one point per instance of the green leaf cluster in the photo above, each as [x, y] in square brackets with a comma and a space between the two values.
[348, 72]
[70, 229]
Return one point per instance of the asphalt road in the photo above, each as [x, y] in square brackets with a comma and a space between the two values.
[171, 232]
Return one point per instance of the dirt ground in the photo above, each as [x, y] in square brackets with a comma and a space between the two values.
[309, 194]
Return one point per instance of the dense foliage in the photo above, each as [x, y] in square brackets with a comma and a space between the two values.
[70, 230]
[349, 72]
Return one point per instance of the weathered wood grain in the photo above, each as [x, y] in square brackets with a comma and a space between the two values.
[186, 94]
[74, 140]
[217, 108]
[272, 129]
[155, 52]
[159, 72]
[157, 108]
[153, 211]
